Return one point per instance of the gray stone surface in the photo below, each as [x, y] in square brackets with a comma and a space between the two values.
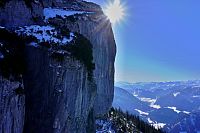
[98, 30]
[59, 97]
[104, 49]
[11, 107]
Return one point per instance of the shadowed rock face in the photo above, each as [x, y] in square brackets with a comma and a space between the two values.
[16, 13]
[11, 107]
[59, 97]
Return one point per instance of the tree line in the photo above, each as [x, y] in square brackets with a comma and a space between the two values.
[128, 123]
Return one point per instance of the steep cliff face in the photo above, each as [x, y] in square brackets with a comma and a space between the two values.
[11, 107]
[59, 96]
[104, 55]
[97, 28]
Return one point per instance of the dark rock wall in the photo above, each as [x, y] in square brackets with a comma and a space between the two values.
[11, 107]
[58, 95]
[16, 13]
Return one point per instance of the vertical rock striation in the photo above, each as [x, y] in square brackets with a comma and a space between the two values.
[11, 107]
[59, 96]
[97, 28]
[101, 36]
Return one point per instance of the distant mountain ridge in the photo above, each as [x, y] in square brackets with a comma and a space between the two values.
[173, 106]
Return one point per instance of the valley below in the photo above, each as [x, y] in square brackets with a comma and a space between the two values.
[171, 106]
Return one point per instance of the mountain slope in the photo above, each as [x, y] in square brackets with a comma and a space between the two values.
[189, 124]
[127, 102]
[173, 105]
[120, 122]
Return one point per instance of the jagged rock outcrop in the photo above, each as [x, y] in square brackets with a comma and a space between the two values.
[12, 107]
[59, 96]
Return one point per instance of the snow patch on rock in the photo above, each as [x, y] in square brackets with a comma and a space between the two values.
[52, 12]
[44, 34]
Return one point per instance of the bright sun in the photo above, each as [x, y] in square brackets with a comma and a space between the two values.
[114, 11]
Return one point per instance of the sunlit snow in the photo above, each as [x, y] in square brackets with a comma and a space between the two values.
[186, 112]
[176, 94]
[156, 124]
[141, 112]
[52, 12]
[197, 96]
[174, 108]
[149, 100]
[155, 106]
[178, 111]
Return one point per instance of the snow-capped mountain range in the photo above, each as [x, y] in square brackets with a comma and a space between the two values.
[173, 106]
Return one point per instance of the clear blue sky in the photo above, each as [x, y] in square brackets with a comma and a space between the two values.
[159, 40]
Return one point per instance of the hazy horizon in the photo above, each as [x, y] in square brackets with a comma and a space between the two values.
[156, 81]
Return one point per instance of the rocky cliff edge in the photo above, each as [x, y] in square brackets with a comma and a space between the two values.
[69, 57]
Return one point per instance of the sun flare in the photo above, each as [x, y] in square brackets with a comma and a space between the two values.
[115, 11]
